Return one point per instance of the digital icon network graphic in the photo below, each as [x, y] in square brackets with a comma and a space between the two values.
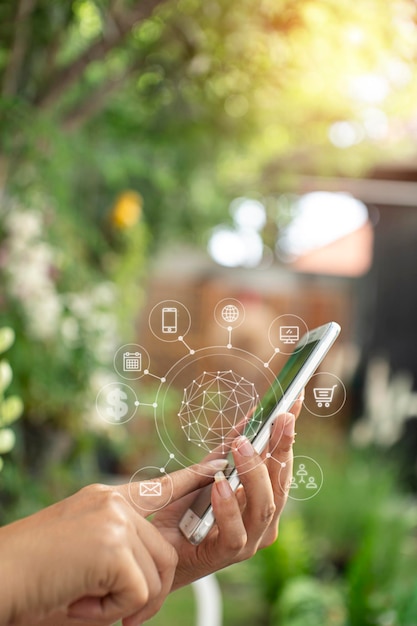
[286, 331]
[209, 396]
[116, 403]
[150, 488]
[170, 320]
[307, 478]
[132, 362]
[230, 313]
[289, 334]
[215, 408]
[324, 395]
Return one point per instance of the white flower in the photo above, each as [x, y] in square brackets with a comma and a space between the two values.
[24, 225]
[81, 305]
[70, 330]
[104, 294]
[45, 315]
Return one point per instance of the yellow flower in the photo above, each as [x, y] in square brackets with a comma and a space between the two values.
[127, 209]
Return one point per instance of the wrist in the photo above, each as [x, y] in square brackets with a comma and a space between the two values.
[9, 581]
[16, 571]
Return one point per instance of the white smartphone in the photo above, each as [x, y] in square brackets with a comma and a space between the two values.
[287, 386]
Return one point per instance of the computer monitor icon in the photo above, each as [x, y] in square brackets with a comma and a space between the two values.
[289, 334]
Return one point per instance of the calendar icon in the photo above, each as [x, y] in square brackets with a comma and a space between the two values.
[132, 361]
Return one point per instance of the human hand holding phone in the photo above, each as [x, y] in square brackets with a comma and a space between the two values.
[246, 520]
[280, 397]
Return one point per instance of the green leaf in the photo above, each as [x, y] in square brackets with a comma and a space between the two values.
[10, 410]
[6, 338]
[7, 440]
[1, 463]
[6, 375]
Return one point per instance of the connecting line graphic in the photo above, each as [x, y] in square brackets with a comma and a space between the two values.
[148, 373]
[267, 363]
[229, 343]
[163, 469]
[268, 455]
[190, 350]
[153, 404]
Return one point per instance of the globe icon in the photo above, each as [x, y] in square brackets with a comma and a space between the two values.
[230, 313]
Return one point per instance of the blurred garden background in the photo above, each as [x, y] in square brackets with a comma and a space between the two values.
[190, 151]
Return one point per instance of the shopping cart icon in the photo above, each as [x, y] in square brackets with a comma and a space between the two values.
[323, 395]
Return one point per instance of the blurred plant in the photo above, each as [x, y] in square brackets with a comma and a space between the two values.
[72, 303]
[192, 104]
[381, 570]
[287, 558]
[11, 406]
[389, 401]
[306, 600]
[285, 580]
[62, 336]
[346, 556]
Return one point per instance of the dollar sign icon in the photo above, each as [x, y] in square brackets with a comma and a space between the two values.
[116, 403]
[118, 407]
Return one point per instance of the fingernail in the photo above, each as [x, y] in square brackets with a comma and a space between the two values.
[289, 425]
[223, 487]
[244, 446]
[218, 464]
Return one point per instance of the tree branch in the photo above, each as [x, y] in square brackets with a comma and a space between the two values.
[122, 25]
[19, 47]
[51, 49]
[94, 103]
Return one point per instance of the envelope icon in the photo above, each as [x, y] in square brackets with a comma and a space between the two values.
[150, 488]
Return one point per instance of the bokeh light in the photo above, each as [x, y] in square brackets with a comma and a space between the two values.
[240, 245]
[320, 218]
[235, 247]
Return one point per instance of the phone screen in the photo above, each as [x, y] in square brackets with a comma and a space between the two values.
[278, 388]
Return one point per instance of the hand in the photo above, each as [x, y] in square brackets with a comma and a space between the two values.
[107, 561]
[87, 517]
[90, 557]
[245, 521]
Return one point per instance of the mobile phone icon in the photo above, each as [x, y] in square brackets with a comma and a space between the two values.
[169, 320]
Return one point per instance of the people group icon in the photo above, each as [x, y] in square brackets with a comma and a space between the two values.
[299, 479]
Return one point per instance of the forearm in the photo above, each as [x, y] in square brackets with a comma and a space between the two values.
[12, 577]
[21, 582]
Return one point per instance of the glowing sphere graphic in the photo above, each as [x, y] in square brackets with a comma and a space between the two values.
[216, 407]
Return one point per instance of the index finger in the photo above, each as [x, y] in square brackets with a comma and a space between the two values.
[149, 496]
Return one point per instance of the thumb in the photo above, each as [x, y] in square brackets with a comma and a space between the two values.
[148, 496]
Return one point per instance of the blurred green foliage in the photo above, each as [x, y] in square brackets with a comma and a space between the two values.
[194, 102]
[343, 558]
[189, 104]
[347, 556]
[11, 406]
